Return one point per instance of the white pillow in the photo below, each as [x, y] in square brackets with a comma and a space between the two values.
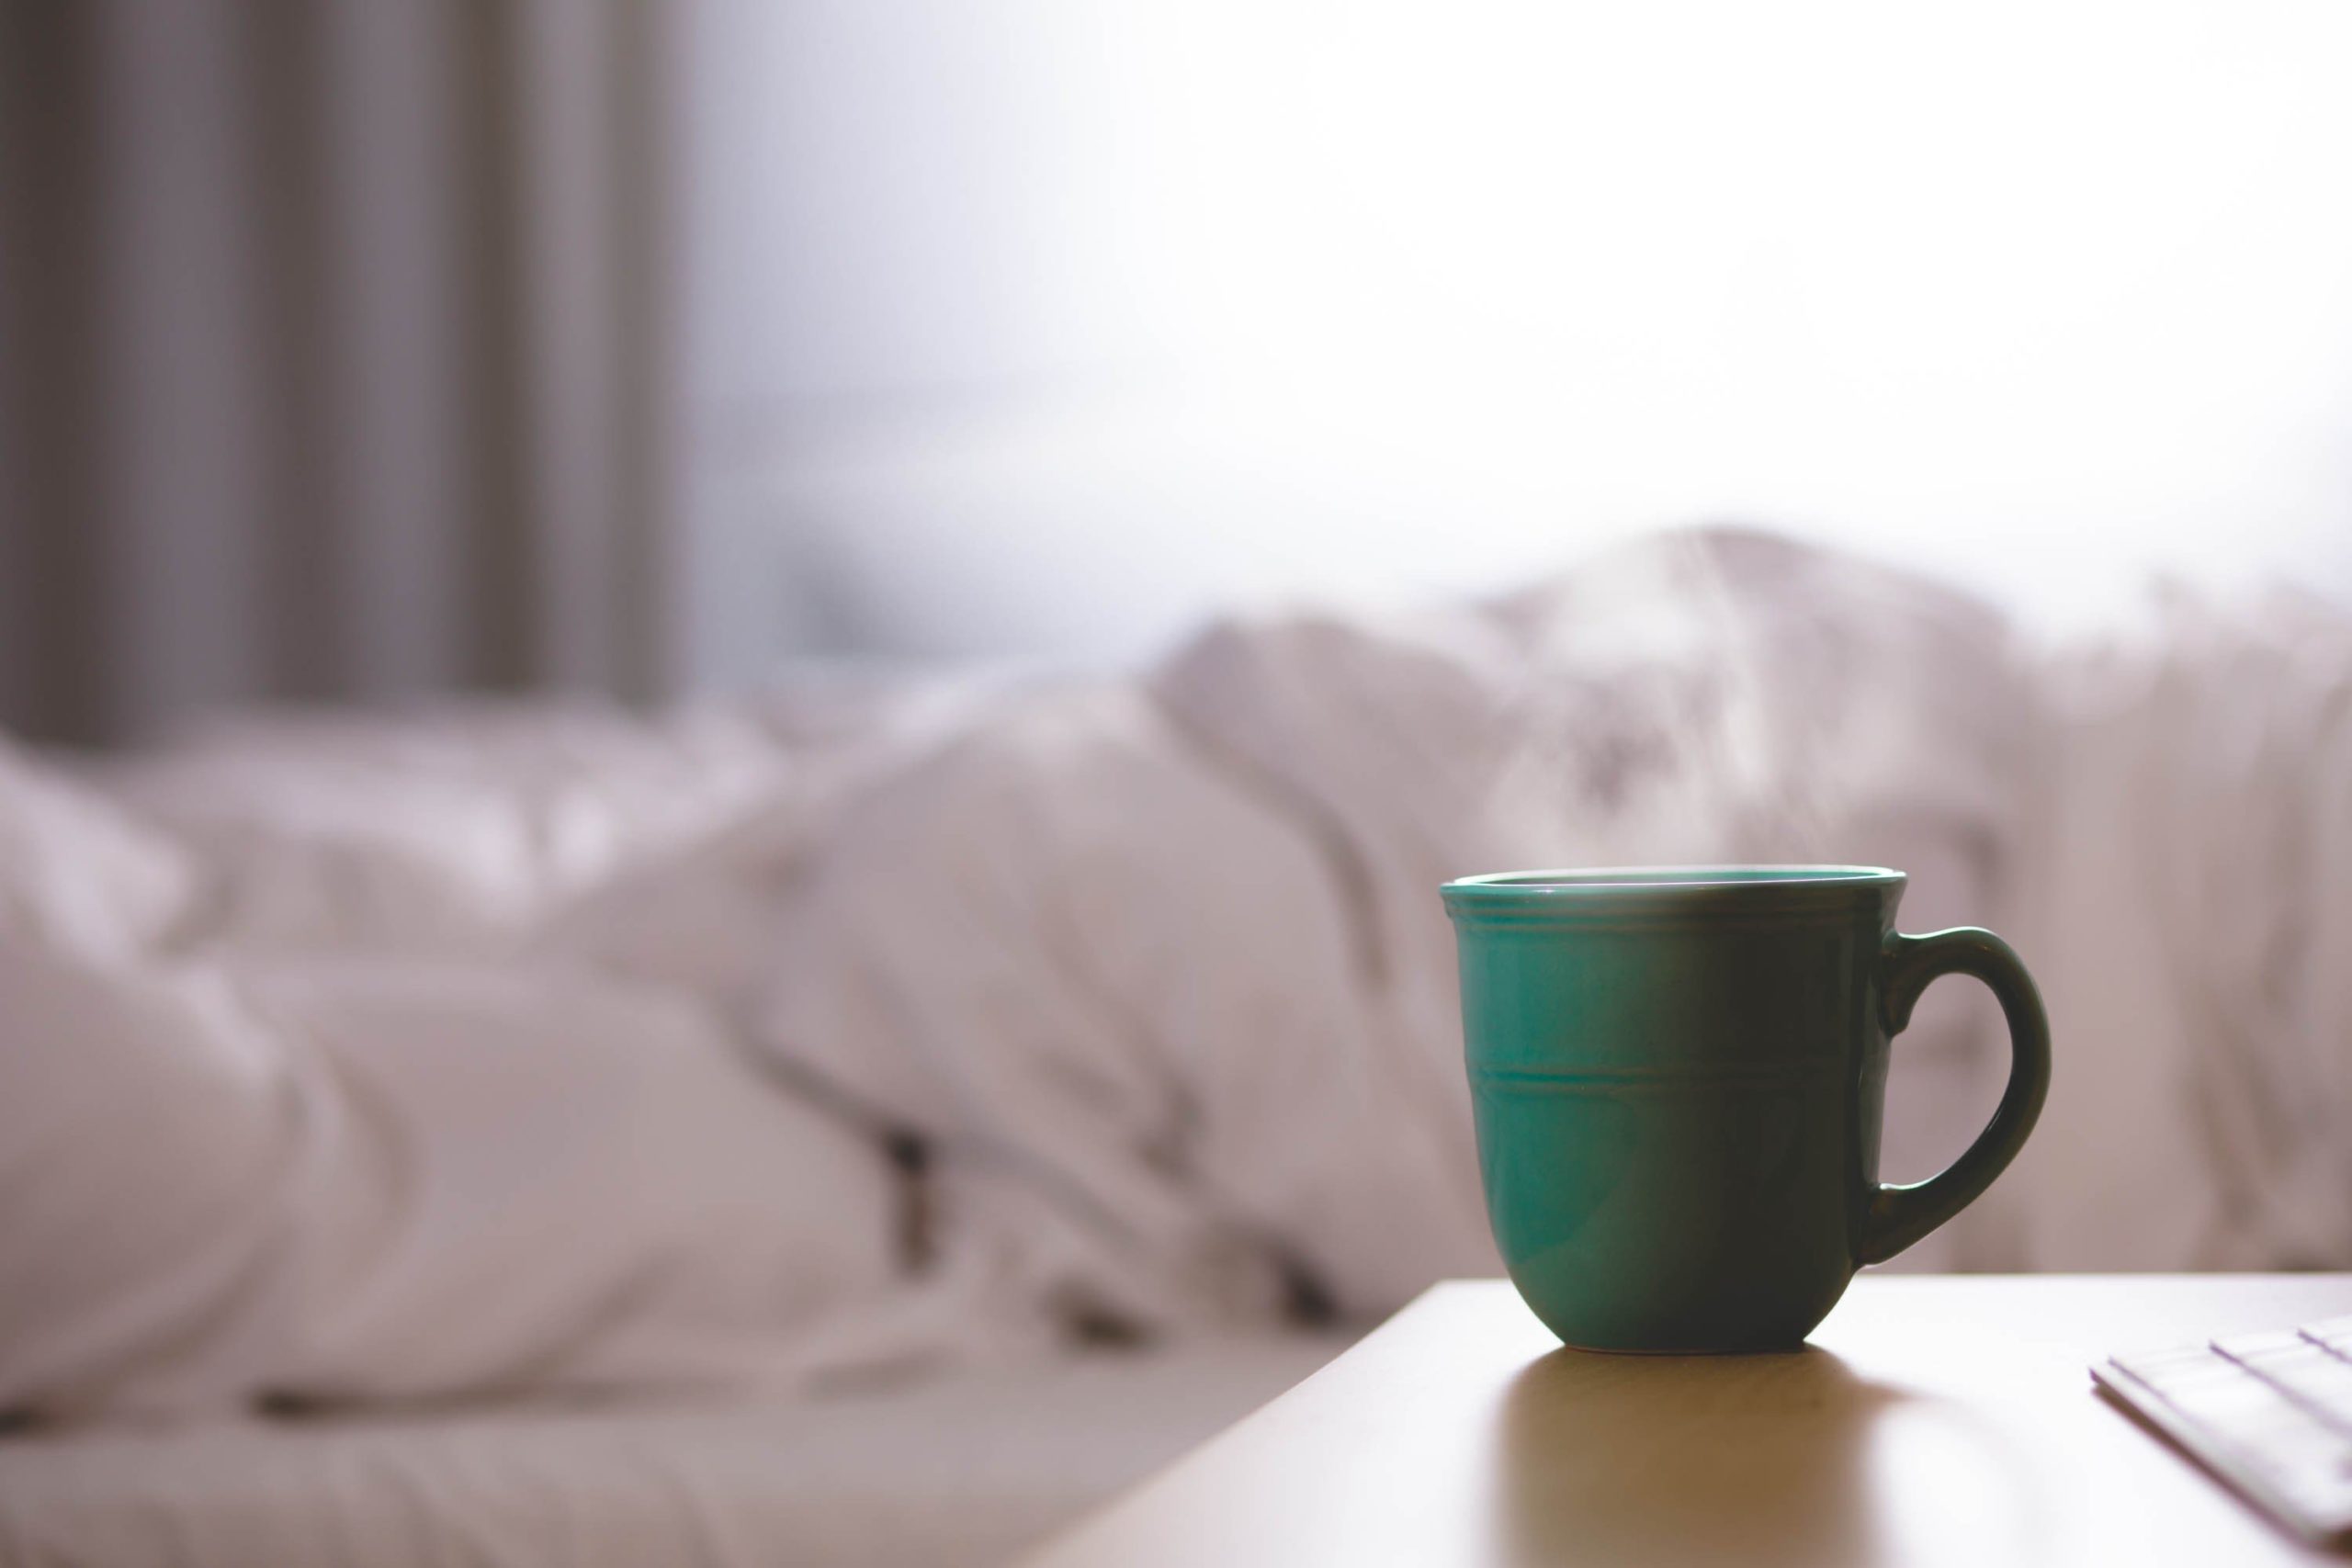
[149, 1139]
[396, 1180]
[449, 831]
[79, 873]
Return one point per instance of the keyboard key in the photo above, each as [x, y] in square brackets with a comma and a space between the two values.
[2271, 1445]
[2302, 1370]
[2333, 1334]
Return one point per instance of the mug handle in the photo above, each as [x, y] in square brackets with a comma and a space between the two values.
[1897, 1216]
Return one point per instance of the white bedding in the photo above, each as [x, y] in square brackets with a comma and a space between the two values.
[965, 1470]
[785, 1042]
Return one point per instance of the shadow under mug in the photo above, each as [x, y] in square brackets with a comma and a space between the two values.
[1679, 1074]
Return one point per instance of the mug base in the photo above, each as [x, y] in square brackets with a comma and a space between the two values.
[1766, 1349]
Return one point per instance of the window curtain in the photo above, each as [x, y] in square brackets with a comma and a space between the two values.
[335, 354]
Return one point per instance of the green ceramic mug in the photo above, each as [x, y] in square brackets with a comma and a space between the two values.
[1678, 1075]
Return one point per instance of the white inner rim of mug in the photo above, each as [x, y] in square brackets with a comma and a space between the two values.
[1668, 878]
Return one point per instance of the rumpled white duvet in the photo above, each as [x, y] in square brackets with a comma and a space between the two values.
[841, 1032]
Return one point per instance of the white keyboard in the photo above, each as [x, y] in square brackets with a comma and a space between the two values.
[2271, 1414]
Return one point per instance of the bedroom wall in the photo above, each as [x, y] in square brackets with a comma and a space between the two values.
[1038, 329]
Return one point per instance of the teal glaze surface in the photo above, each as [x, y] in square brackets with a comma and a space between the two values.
[1679, 1074]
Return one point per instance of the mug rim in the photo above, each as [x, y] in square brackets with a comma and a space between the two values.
[1571, 881]
[1579, 895]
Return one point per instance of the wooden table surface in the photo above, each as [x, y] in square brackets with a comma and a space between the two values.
[1934, 1420]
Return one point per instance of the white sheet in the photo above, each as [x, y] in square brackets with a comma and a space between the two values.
[368, 1181]
[2185, 893]
[1162, 972]
[966, 1470]
[544, 1051]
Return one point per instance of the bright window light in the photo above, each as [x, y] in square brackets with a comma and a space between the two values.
[1051, 324]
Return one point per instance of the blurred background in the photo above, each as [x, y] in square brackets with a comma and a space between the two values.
[355, 352]
[604, 354]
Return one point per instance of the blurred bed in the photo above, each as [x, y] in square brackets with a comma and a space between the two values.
[967, 1468]
[869, 1123]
